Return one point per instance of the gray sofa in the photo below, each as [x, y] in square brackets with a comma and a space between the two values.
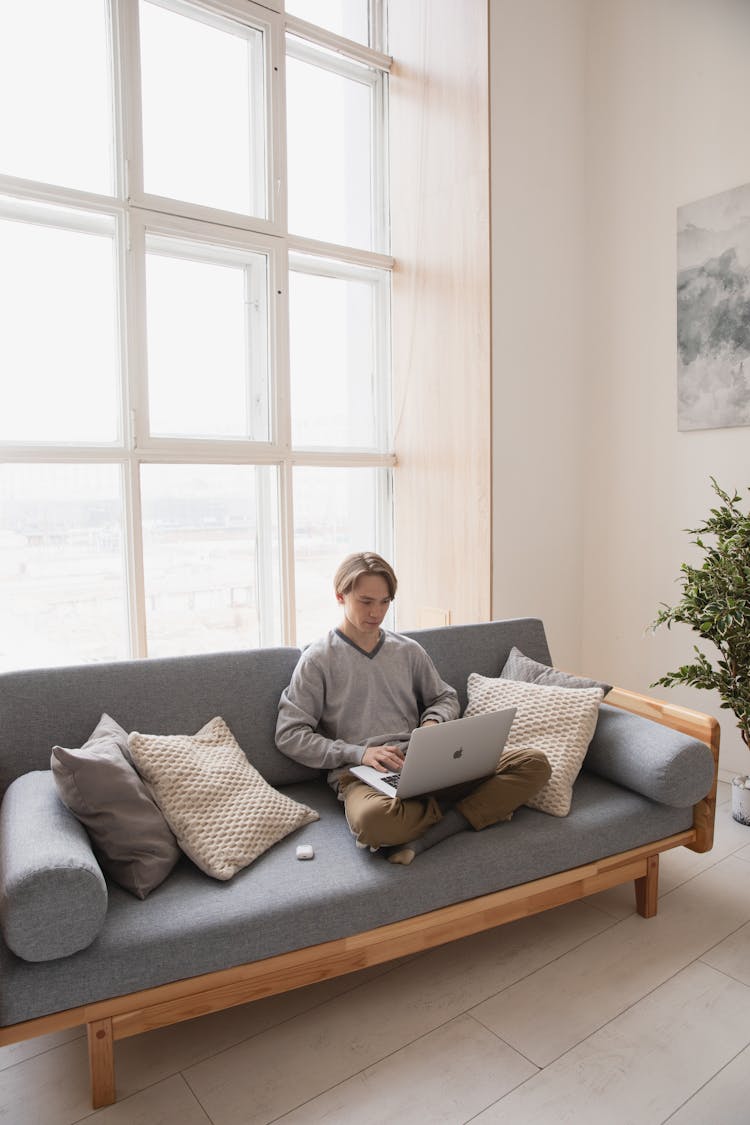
[197, 945]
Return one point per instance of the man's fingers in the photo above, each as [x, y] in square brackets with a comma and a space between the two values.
[393, 759]
[385, 758]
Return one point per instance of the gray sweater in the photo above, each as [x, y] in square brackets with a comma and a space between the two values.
[342, 699]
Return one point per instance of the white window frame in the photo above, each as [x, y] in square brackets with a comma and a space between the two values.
[221, 243]
[378, 280]
[220, 14]
[368, 74]
[136, 213]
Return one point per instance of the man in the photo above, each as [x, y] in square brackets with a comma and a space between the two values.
[355, 698]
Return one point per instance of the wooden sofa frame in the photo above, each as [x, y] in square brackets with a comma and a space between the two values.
[163, 1005]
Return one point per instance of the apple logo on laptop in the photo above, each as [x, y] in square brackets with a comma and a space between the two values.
[458, 753]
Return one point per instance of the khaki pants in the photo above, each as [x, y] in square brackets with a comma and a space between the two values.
[380, 821]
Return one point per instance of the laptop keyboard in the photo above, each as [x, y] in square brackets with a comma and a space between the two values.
[392, 779]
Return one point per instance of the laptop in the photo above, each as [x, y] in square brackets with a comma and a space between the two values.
[447, 754]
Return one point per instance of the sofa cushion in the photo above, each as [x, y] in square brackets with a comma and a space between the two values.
[649, 758]
[53, 897]
[132, 840]
[520, 667]
[222, 812]
[558, 721]
[192, 924]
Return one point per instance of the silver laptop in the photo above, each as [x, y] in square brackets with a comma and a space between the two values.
[444, 755]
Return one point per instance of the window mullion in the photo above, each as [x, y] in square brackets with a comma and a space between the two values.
[384, 513]
[286, 536]
[378, 29]
[136, 374]
[380, 165]
[136, 584]
[119, 53]
[276, 126]
[256, 350]
[130, 133]
[282, 434]
[382, 361]
[266, 506]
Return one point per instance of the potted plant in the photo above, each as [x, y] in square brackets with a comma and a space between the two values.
[715, 602]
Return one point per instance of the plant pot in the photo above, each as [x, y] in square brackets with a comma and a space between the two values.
[741, 799]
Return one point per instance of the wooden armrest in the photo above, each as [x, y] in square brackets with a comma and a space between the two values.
[693, 723]
[696, 725]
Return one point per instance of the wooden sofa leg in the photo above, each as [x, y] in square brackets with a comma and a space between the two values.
[647, 889]
[101, 1062]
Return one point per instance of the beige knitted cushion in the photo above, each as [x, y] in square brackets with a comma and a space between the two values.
[559, 721]
[223, 813]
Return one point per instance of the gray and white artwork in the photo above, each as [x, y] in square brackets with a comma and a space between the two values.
[713, 311]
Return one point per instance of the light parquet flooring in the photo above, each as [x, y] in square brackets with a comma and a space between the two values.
[583, 1014]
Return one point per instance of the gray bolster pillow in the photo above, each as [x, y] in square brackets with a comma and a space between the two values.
[651, 759]
[53, 897]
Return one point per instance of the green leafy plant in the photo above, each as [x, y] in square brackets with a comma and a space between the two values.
[715, 602]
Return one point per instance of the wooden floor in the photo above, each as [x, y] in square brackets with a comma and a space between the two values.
[585, 1013]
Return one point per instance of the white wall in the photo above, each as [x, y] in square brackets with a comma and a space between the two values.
[667, 96]
[537, 72]
[606, 115]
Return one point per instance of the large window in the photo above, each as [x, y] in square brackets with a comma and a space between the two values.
[194, 321]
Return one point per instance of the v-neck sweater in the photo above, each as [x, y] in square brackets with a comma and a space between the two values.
[342, 699]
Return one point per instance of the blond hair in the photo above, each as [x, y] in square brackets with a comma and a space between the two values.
[355, 566]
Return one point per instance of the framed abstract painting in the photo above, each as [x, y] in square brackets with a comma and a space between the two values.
[713, 311]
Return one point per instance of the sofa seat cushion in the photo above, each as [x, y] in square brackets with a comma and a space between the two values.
[192, 924]
[53, 897]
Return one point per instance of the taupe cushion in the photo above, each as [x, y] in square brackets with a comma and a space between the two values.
[132, 840]
[222, 812]
[520, 667]
[556, 720]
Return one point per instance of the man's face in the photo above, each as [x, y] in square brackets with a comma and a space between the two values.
[367, 603]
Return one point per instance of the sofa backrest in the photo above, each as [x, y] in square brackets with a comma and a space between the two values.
[460, 649]
[172, 695]
[41, 708]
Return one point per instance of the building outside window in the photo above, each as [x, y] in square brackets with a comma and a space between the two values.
[194, 321]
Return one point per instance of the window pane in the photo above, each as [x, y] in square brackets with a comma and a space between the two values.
[203, 109]
[210, 542]
[329, 154]
[207, 345]
[55, 90]
[349, 18]
[62, 576]
[58, 334]
[336, 511]
[332, 358]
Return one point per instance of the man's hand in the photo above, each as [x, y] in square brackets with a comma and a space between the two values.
[429, 723]
[383, 758]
